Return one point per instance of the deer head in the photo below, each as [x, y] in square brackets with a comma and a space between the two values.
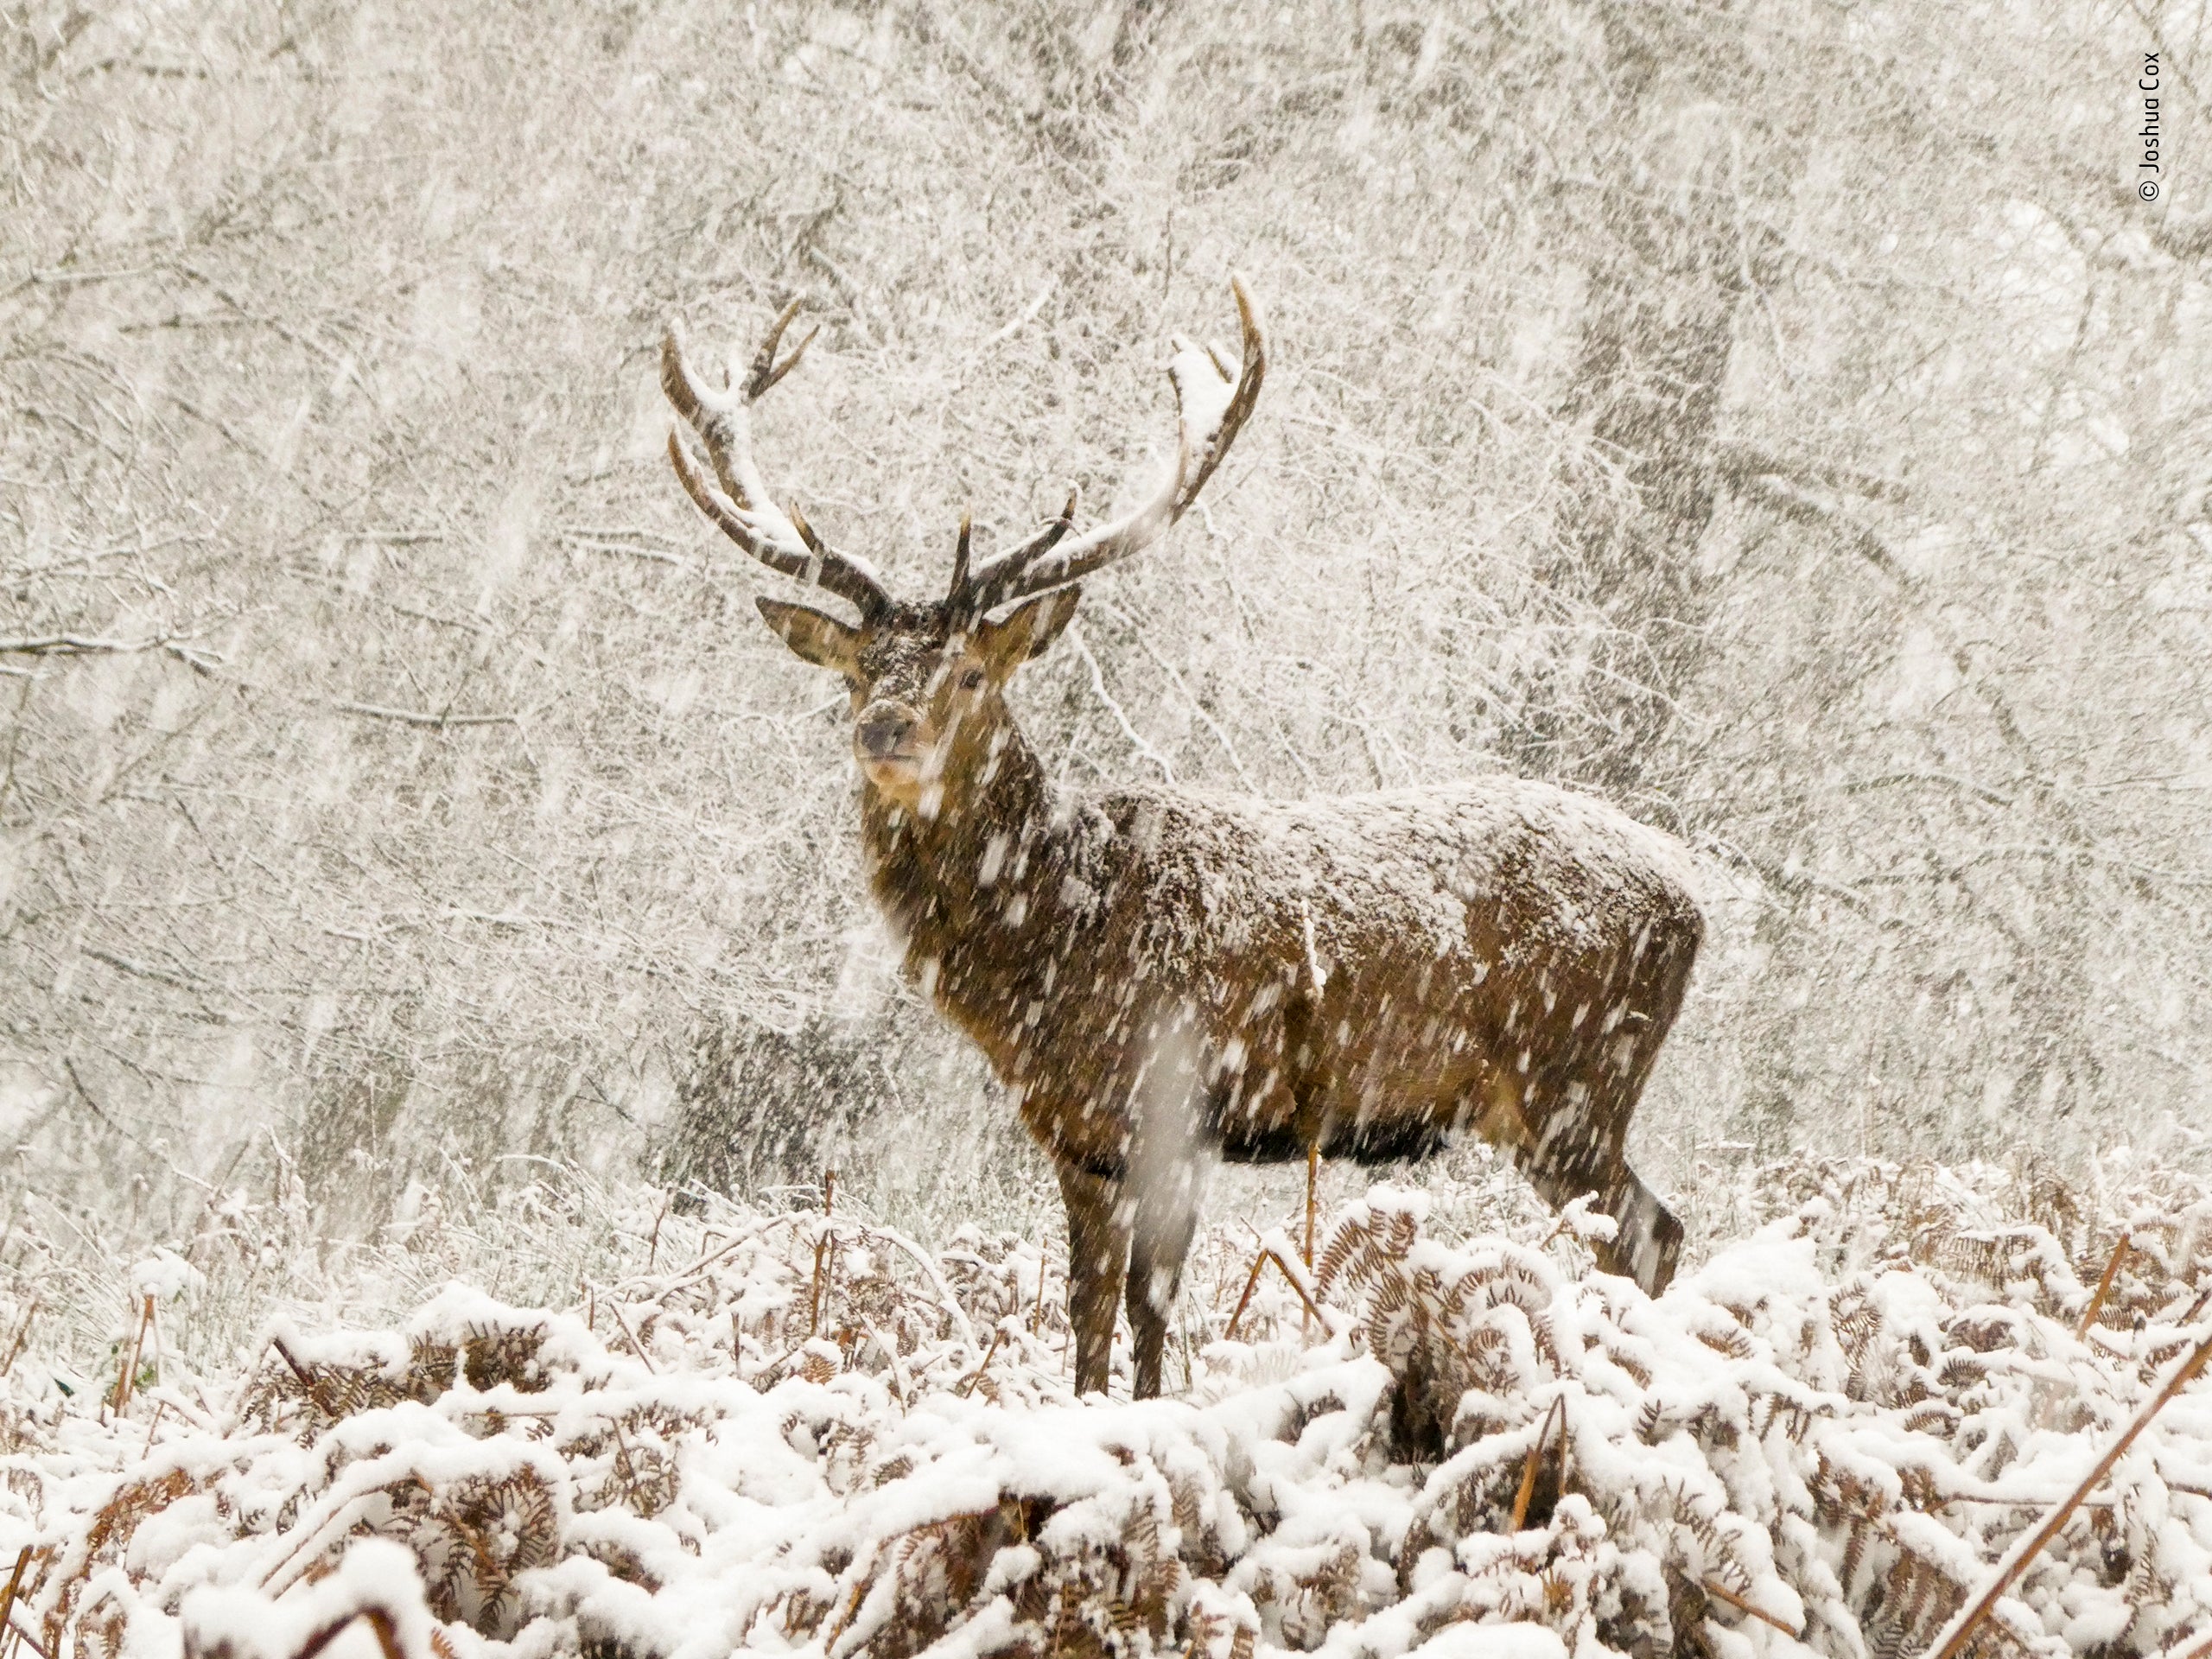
[928, 678]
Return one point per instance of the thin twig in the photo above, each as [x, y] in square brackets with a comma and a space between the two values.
[2017, 1559]
[129, 1374]
[976, 1376]
[636, 1347]
[821, 1251]
[1297, 1282]
[1313, 1181]
[73, 644]
[386, 1629]
[1722, 1593]
[1251, 1282]
[759, 1230]
[1268, 1253]
[15, 1582]
[423, 717]
[143, 971]
[1121, 717]
[321, 1529]
[308, 1380]
[1028, 317]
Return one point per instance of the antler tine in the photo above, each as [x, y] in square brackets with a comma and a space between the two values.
[960, 555]
[1049, 537]
[741, 507]
[964, 599]
[814, 544]
[1244, 396]
[766, 370]
[1211, 407]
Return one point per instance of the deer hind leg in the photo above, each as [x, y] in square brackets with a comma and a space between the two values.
[1572, 1156]
[1649, 1242]
[1589, 1098]
[1568, 1140]
[1098, 1255]
[1651, 1239]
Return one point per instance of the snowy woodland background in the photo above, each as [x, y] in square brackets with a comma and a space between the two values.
[437, 977]
[1785, 420]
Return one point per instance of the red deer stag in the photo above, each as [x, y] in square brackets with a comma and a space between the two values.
[1157, 973]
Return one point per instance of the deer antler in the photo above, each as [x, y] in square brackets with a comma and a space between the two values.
[1211, 407]
[737, 500]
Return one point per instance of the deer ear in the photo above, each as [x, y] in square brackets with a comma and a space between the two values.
[815, 635]
[1029, 631]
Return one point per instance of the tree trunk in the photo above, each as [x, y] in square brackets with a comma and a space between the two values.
[1656, 339]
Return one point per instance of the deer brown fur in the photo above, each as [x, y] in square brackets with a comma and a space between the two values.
[1160, 975]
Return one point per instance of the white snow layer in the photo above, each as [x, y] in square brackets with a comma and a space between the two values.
[1819, 1442]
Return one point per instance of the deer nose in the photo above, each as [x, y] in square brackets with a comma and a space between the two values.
[883, 729]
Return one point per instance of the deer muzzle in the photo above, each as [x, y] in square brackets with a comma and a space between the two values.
[885, 735]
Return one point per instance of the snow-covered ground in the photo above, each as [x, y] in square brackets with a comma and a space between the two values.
[815, 1436]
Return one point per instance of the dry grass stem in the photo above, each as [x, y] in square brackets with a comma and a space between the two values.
[127, 1376]
[1528, 1490]
[1722, 1593]
[975, 1376]
[1268, 1253]
[615, 1311]
[382, 1622]
[16, 1629]
[23, 1336]
[822, 1253]
[15, 1583]
[1962, 1629]
[2104, 1286]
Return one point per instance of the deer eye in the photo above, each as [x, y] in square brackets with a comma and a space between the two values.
[971, 677]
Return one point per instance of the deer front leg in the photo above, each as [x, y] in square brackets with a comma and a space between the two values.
[1098, 1255]
[1164, 1215]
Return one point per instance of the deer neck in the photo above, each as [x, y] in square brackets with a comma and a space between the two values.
[971, 871]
